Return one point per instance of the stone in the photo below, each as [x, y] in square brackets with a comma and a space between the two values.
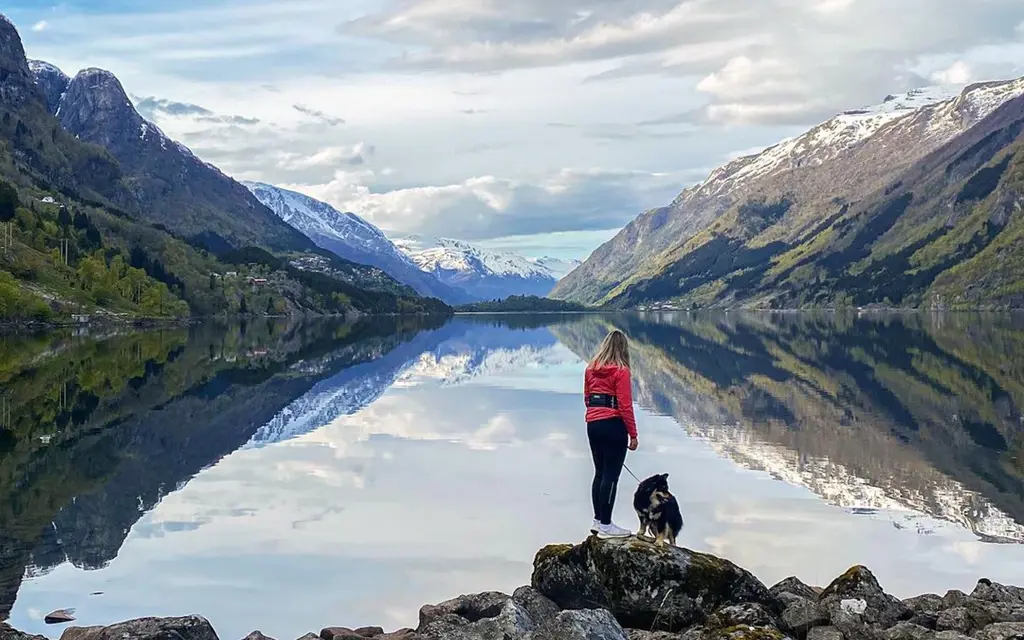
[954, 598]
[511, 621]
[748, 613]
[955, 619]
[825, 633]
[370, 632]
[60, 616]
[927, 620]
[584, 624]
[401, 634]
[8, 632]
[310, 636]
[951, 635]
[994, 592]
[343, 633]
[637, 634]
[473, 607]
[794, 586]
[1002, 631]
[257, 635]
[802, 615]
[906, 631]
[857, 605]
[645, 586]
[184, 628]
[539, 607]
[927, 603]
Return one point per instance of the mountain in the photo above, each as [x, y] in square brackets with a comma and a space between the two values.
[486, 275]
[558, 267]
[718, 241]
[350, 237]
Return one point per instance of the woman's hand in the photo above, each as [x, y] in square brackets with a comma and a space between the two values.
[633, 444]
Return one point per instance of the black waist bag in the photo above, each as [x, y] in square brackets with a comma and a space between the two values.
[603, 400]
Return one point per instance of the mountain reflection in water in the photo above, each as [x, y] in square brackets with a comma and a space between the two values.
[914, 418]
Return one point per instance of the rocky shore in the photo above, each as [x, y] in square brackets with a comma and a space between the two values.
[633, 590]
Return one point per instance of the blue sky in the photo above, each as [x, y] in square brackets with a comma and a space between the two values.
[503, 122]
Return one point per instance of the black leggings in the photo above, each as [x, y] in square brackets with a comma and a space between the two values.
[608, 440]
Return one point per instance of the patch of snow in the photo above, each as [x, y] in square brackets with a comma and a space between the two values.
[446, 254]
[853, 606]
[38, 67]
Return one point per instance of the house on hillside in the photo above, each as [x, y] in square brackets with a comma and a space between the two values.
[48, 200]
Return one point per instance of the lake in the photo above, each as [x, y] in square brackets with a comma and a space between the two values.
[288, 476]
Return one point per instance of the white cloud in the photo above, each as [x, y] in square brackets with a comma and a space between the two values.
[957, 73]
[40, 26]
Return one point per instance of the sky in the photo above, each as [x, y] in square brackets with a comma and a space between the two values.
[535, 126]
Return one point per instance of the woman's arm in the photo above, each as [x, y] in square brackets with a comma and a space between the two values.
[624, 393]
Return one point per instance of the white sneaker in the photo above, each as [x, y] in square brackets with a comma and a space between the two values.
[594, 528]
[612, 531]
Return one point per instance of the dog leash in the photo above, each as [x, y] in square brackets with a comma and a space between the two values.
[631, 473]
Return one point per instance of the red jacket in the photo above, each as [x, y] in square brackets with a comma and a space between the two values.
[612, 380]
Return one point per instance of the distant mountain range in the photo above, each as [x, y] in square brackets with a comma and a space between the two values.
[452, 270]
[914, 202]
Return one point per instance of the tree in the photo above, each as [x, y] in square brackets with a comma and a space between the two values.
[242, 307]
[9, 201]
[270, 306]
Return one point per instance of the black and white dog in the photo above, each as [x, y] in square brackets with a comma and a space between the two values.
[658, 510]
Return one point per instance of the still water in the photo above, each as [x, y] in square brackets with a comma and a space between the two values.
[292, 476]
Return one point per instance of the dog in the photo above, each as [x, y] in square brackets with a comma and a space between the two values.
[658, 510]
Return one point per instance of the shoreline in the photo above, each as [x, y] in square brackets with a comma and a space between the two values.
[633, 589]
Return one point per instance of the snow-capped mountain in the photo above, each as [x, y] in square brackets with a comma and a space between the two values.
[352, 238]
[844, 159]
[558, 267]
[485, 274]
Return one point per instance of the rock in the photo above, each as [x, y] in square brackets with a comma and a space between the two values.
[257, 635]
[401, 634]
[951, 635]
[472, 607]
[906, 631]
[643, 585]
[927, 620]
[310, 636]
[10, 633]
[539, 607]
[955, 619]
[1002, 631]
[60, 616]
[585, 624]
[477, 623]
[637, 634]
[954, 598]
[857, 605]
[794, 586]
[994, 592]
[185, 628]
[928, 603]
[344, 633]
[825, 633]
[749, 613]
[802, 615]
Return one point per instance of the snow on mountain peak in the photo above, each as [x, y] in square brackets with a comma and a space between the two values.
[447, 254]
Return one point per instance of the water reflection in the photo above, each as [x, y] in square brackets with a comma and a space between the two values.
[357, 471]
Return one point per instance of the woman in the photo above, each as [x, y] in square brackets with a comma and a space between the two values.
[611, 426]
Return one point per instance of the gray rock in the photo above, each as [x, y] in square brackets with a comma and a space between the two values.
[257, 635]
[60, 616]
[825, 633]
[857, 605]
[511, 623]
[794, 586]
[1002, 631]
[584, 624]
[539, 607]
[956, 619]
[344, 633]
[10, 633]
[637, 634]
[185, 628]
[994, 592]
[907, 631]
[951, 635]
[310, 636]
[927, 603]
[748, 613]
[472, 608]
[803, 615]
[370, 632]
[643, 585]
[927, 620]
[954, 598]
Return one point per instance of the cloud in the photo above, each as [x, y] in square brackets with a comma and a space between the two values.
[319, 115]
[153, 108]
[354, 155]
[957, 73]
[490, 207]
[40, 26]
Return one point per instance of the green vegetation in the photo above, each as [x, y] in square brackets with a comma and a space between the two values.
[522, 304]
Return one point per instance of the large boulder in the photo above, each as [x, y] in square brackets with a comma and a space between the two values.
[801, 615]
[539, 607]
[584, 624]
[485, 616]
[643, 585]
[794, 586]
[857, 605]
[1002, 631]
[994, 592]
[8, 632]
[186, 628]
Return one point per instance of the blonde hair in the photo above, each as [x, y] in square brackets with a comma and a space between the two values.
[614, 350]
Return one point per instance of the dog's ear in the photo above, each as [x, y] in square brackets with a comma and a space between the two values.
[664, 475]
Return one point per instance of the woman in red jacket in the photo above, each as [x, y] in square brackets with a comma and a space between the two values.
[611, 426]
